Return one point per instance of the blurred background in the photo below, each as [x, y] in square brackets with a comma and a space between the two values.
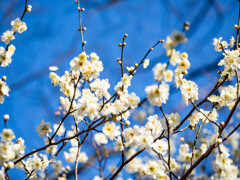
[52, 39]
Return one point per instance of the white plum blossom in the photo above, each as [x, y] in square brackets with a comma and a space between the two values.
[100, 138]
[7, 135]
[160, 146]
[4, 90]
[18, 26]
[219, 44]
[43, 129]
[111, 130]
[157, 95]
[7, 37]
[146, 63]
[189, 91]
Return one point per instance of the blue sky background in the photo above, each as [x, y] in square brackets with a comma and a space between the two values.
[52, 39]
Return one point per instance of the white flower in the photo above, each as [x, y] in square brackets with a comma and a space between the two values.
[34, 163]
[2, 173]
[154, 167]
[157, 95]
[194, 118]
[94, 57]
[7, 151]
[100, 138]
[146, 63]
[97, 178]
[57, 166]
[175, 57]
[178, 37]
[45, 162]
[232, 42]
[55, 78]
[7, 135]
[231, 60]
[168, 75]
[43, 129]
[219, 45]
[158, 71]
[160, 146]
[53, 68]
[7, 37]
[145, 141]
[173, 119]
[4, 89]
[119, 145]
[61, 130]
[18, 26]
[189, 91]
[19, 147]
[82, 158]
[126, 80]
[154, 126]
[111, 130]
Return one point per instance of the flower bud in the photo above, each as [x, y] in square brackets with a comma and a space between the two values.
[4, 78]
[6, 117]
[127, 123]
[236, 26]
[10, 165]
[29, 8]
[219, 140]
[182, 139]
[222, 124]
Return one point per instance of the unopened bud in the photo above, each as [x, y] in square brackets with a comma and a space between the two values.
[84, 28]
[124, 44]
[75, 2]
[236, 26]
[68, 168]
[136, 65]
[219, 140]
[6, 117]
[119, 44]
[57, 113]
[84, 42]
[127, 123]
[4, 78]
[220, 80]
[219, 72]
[222, 124]
[10, 165]
[182, 139]
[60, 108]
[150, 49]
[5, 165]
[192, 127]
[29, 8]
[161, 41]
[82, 9]
[185, 72]
[125, 35]
[79, 9]
[186, 25]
